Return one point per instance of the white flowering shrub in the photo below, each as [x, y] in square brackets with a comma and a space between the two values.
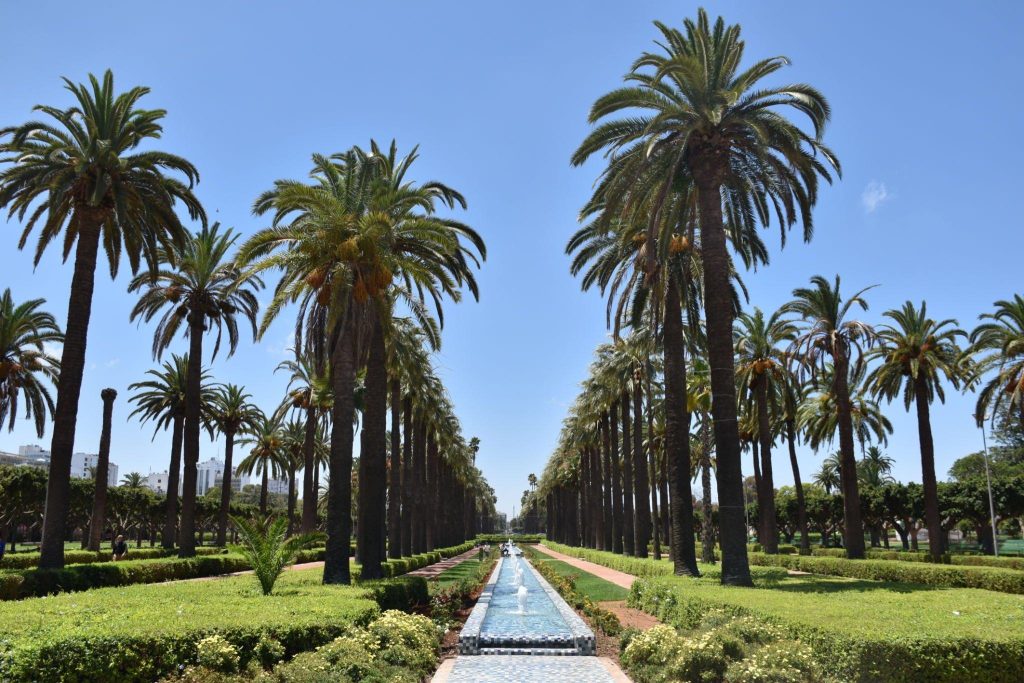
[786, 661]
[214, 652]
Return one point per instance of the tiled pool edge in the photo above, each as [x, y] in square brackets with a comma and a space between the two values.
[586, 643]
[469, 639]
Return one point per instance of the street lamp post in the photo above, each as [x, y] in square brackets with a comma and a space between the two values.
[988, 482]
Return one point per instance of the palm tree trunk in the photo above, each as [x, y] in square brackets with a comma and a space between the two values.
[642, 510]
[707, 551]
[291, 499]
[408, 481]
[339, 493]
[853, 528]
[607, 510]
[755, 456]
[801, 506]
[628, 523]
[677, 438]
[718, 307]
[419, 454]
[309, 492]
[373, 458]
[395, 488]
[666, 526]
[193, 388]
[598, 500]
[610, 429]
[225, 487]
[770, 543]
[171, 521]
[653, 468]
[584, 498]
[931, 492]
[264, 489]
[99, 504]
[433, 490]
[69, 387]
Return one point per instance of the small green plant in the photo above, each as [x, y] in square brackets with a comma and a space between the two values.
[268, 549]
[214, 652]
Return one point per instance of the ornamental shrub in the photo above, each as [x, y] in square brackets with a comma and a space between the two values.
[215, 653]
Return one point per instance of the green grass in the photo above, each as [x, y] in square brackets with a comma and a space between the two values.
[139, 633]
[593, 587]
[464, 570]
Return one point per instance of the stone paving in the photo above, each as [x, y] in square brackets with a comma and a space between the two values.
[433, 570]
[529, 669]
[608, 574]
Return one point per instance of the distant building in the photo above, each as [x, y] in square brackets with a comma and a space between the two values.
[83, 465]
[208, 473]
[210, 476]
[157, 481]
[277, 486]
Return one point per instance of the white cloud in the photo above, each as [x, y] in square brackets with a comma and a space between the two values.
[874, 195]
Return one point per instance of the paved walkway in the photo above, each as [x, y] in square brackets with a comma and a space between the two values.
[613, 575]
[431, 571]
[529, 669]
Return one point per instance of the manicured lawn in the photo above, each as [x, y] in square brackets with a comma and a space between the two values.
[595, 588]
[142, 632]
[463, 570]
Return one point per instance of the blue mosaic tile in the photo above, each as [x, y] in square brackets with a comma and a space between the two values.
[534, 669]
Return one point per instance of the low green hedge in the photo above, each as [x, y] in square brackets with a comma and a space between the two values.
[494, 539]
[405, 593]
[397, 567]
[30, 560]
[141, 633]
[947, 558]
[638, 566]
[948, 576]
[859, 634]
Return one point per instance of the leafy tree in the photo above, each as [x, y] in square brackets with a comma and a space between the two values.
[204, 289]
[81, 175]
[829, 336]
[24, 362]
[916, 354]
[703, 120]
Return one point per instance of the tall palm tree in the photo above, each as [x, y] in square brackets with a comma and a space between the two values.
[83, 173]
[24, 362]
[341, 242]
[830, 336]
[915, 354]
[204, 289]
[162, 399]
[99, 502]
[874, 467]
[309, 389]
[267, 441]
[1000, 344]
[705, 122]
[827, 476]
[293, 438]
[231, 413]
[793, 394]
[761, 368]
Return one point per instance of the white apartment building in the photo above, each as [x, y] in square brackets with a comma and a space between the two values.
[210, 476]
[208, 473]
[82, 464]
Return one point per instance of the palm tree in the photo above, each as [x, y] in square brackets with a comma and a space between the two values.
[828, 476]
[818, 414]
[133, 480]
[99, 503]
[24, 362]
[84, 175]
[1000, 343]
[267, 442]
[309, 389]
[793, 394]
[162, 399]
[231, 412]
[340, 242]
[873, 469]
[704, 122]
[761, 367]
[698, 397]
[293, 438]
[205, 289]
[829, 335]
[916, 352]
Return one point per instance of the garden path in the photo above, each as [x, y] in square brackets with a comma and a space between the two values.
[431, 571]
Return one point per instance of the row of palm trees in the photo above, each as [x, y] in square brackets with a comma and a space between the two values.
[354, 244]
[701, 154]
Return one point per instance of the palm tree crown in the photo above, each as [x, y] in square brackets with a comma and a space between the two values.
[1000, 343]
[24, 362]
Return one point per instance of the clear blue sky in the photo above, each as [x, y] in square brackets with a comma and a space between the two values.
[925, 97]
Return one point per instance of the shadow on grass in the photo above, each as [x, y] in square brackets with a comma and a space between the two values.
[820, 584]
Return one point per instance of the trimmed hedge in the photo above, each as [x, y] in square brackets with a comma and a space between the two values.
[948, 576]
[494, 539]
[647, 567]
[405, 565]
[405, 593]
[859, 637]
[30, 560]
[140, 633]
